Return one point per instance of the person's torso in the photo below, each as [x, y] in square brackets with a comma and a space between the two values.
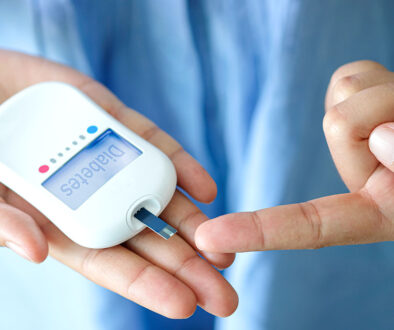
[241, 85]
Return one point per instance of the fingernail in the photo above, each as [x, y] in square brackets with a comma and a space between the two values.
[18, 250]
[381, 143]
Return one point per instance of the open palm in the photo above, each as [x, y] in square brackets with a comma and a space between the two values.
[167, 277]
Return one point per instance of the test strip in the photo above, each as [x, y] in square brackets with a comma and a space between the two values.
[156, 224]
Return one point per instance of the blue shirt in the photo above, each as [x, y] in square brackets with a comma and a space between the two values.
[241, 85]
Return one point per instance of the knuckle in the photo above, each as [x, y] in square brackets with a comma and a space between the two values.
[343, 70]
[339, 72]
[357, 66]
[178, 150]
[187, 264]
[89, 259]
[381, 223]
[193, 216]
[133, 281]
[335, 125]
[150, 132]
[259, 229]
[161, 139]
[314, 221]
[344, 88]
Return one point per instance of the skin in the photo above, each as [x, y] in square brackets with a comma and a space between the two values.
[167, 277]
[359, 112]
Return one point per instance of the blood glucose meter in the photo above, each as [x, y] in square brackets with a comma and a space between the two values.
[96, 180]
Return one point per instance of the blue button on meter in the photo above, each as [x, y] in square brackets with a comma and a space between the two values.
[92, 129]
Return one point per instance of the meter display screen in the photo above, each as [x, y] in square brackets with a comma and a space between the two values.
[91, 168]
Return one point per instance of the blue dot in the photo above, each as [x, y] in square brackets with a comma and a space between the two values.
[92, 129]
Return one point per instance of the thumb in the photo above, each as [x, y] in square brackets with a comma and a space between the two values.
[20, 233]
[381, 143]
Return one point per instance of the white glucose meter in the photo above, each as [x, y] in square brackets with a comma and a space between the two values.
[84, 170]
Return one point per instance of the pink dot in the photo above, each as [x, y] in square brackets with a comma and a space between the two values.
[43, 168]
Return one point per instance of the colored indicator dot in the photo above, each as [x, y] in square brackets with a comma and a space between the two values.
[43, 169]
[92, 129]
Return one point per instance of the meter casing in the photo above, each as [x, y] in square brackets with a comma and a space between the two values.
[46, 125]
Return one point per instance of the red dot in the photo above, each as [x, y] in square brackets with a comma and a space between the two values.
[43, 168]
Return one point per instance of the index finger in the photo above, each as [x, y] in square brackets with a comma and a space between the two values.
[335, 220]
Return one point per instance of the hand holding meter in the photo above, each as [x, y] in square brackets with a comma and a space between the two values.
[96, 180]
[167, 277]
